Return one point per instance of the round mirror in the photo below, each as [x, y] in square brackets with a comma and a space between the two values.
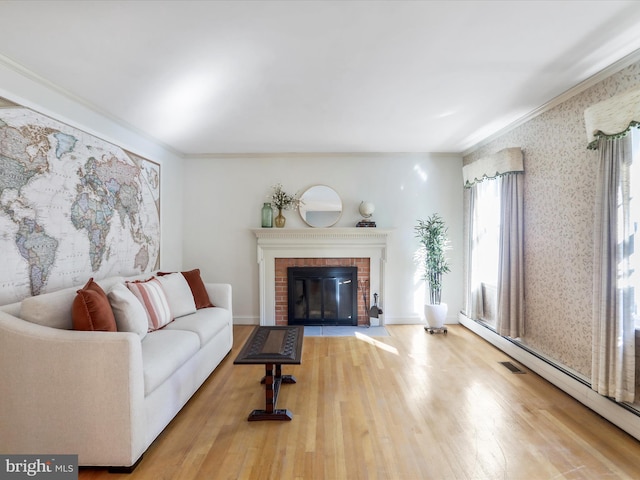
[321, 206]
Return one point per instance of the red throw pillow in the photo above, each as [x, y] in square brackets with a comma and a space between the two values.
[91, 285]
[91, 310]
[198, 290]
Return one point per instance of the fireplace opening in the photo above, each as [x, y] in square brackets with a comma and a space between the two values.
[322, 295]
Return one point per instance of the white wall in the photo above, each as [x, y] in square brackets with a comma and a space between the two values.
[209, 205]
[22, 88]
[223, 198]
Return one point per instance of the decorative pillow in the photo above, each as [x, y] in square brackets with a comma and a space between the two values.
[178, 294]
[200, 295]
[91, 309]
[91, 285]
[153, 300]
[129, 313]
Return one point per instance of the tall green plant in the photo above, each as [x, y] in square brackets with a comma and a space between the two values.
[434, 242]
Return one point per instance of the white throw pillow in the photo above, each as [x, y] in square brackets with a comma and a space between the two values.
[129, 312]
[178, 294]
[154, 300]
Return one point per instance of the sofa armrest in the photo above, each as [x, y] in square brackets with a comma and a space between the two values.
[71, 392]
[220, 295]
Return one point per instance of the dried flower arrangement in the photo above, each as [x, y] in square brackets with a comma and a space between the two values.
[283, 200]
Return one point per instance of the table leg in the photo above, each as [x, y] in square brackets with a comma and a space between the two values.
[284, 378]
[271, 390]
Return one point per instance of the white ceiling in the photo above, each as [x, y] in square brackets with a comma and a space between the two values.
[209, 77]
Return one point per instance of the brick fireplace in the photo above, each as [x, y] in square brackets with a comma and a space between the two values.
[279, 248]
[362, 264]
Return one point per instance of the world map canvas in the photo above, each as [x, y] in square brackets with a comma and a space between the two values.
[72, 206]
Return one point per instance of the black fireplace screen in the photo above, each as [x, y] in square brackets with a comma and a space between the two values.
[322, 295]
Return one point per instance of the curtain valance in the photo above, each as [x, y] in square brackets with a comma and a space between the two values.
[505, 161]
[612, 117]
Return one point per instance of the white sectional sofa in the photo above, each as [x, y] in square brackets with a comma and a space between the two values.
[104, 396]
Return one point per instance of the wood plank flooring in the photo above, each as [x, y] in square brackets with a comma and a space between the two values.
[407, 406]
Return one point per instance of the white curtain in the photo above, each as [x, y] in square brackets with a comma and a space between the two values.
[613, 351]
[510, 319]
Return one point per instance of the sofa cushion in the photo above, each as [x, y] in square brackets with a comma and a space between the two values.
[129, 313]
[197, 287]
[91, 310]
[178, 294]
[206, 323]
[50, 309]
[54, 309]
[154, 301]
[163, 352]
[11, 309]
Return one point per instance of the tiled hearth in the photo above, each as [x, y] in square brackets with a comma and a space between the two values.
[280, 248]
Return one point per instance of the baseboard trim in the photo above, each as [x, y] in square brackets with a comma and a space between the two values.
[620, 415]
[246, 320]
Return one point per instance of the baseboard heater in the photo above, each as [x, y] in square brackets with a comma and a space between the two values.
[623, 416]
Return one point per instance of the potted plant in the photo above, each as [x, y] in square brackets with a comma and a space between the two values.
[283, 201]
[434, 242]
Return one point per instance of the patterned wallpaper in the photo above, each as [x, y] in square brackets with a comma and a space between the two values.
[559, 191]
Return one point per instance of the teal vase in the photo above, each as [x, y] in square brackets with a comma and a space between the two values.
[267, 216]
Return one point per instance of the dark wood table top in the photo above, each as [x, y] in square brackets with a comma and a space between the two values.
[277, 345]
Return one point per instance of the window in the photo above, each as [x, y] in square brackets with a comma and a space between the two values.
[488, 230]
[495, 271]
[486, 242]
[615, 280]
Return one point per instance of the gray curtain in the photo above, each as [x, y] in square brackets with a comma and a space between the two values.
[473, 308]
[613, 350]
[510, 281]
[510, 311]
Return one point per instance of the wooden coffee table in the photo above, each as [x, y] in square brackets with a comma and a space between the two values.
[273, 347]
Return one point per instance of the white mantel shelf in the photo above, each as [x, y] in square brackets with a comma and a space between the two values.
[275, 243]
[284, 234]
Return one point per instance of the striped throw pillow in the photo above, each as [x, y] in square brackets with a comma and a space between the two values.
[154, 301]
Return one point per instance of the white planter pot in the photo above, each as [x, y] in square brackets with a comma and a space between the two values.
[435, 314]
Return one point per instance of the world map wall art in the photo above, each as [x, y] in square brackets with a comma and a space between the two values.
[72, 206]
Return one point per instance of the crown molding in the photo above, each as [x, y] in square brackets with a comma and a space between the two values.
[563, 97]
[579, 88]
[268, 155]
[49, 85]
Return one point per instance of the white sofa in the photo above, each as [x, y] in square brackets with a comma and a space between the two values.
[104, 396]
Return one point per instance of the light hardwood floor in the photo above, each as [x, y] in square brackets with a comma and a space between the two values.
[407, 406]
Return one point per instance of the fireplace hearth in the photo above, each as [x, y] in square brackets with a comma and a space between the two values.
[322, 295]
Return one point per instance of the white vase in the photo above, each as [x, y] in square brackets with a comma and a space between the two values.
[435, 314]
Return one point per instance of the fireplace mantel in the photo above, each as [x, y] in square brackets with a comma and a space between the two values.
[294, 235]
[317, 243]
